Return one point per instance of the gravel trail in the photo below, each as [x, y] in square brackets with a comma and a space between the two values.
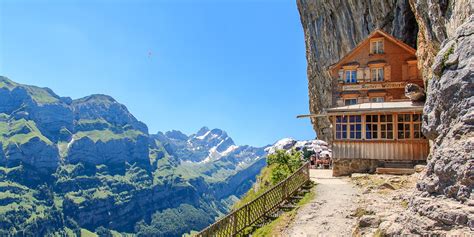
[328, 214]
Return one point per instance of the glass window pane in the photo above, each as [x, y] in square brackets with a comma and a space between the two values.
[375, 118]
[407, 118]
[380, 76]
[416, 117]
[358, 118]
[389, 126]
[389, 118]
[390, 135]
[368, 118]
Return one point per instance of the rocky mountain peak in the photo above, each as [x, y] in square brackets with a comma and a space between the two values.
[105, 108]
[175, 134]
[202, 131]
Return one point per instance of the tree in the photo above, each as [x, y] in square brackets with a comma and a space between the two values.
[285, 164]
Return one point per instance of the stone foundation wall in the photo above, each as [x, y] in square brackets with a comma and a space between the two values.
[343, 167]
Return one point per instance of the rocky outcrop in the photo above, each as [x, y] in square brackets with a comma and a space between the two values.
[115, 151]
[334, 27]
[437, 21]
[442, 32]
[104, 107]
[449, 118]
[414, 92]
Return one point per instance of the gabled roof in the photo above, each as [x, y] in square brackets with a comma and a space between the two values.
[367, 40]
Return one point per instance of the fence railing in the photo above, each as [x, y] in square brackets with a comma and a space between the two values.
[263, 205]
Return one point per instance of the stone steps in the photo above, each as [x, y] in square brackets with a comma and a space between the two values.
[395, 171]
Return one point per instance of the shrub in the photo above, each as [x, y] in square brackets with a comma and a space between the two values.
[286, 163]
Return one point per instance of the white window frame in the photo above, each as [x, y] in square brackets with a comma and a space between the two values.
[376, 46]
[378, 99]
[350, 99]
[377, 77]
[352, 76]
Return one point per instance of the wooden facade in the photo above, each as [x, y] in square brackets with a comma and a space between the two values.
[377, 70]
[371, 117]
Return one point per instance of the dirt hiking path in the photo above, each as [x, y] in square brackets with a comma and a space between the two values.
[328, 214]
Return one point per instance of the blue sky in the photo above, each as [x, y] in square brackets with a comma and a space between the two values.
[235, 65]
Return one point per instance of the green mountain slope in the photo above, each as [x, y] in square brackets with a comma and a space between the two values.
[73, 166]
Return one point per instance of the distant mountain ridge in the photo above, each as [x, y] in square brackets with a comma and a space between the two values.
[89, 163]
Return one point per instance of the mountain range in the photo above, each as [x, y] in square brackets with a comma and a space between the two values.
[72, 166]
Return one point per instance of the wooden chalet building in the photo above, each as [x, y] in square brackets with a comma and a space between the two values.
[374, 125]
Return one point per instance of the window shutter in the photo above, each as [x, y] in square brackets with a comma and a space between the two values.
[387, 73]
[367, 74]
[404, 72]
[341, 75]
[360, 74]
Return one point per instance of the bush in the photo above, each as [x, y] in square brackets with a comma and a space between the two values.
[286, 163]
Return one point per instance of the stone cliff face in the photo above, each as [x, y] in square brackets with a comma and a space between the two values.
[442, 31]
[332, 28]
[449, 117]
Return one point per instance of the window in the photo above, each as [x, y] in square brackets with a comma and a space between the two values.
[371, 126]
[351, 76]
[355, 127]
[349, 127]
[341, 127]
[376, 46]
[403, 126]
[350, 101]
[386, 126]
[376, 99]
[379, 126]
[417, 134]
[376, 74]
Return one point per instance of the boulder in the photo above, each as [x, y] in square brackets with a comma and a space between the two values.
[414, 92]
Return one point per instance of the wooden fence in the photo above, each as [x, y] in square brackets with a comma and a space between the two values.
[262, 206]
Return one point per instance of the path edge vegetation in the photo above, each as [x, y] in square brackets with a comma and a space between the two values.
[280, 165]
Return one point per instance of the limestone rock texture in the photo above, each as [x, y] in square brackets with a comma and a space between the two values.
[449, 118]
[442, 33]
[332, 28]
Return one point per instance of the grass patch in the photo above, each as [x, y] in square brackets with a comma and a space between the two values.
[107, 135]
[20, 132]
[87, 233]
[359, 212]
[404, 204]
[41, 95]
[276, 227]
[262, 184]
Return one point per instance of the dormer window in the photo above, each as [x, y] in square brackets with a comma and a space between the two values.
[350, 76]
[376, 46]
